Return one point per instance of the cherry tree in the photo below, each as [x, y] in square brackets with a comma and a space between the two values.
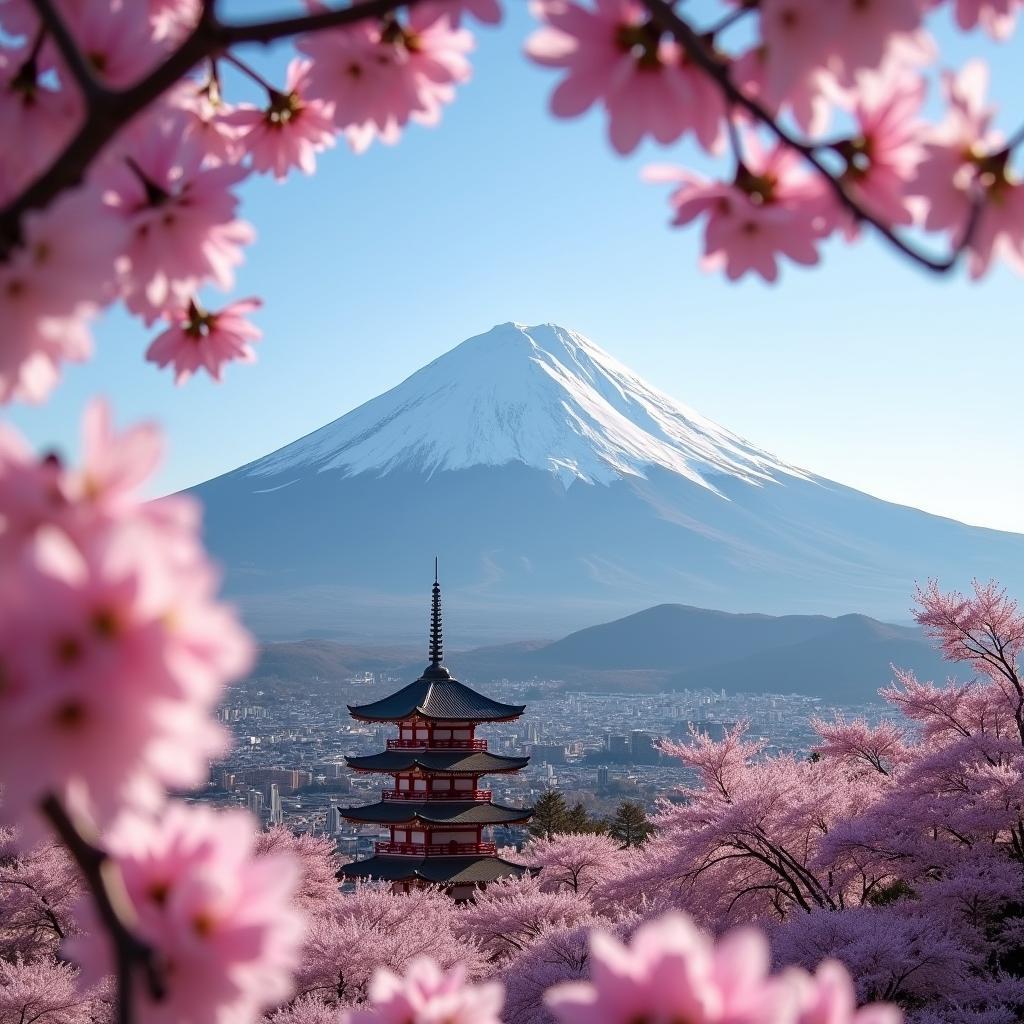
[38, 891]
[349, 939]
[135, 128]
[43, 991]
[576, 861]
[509, 916]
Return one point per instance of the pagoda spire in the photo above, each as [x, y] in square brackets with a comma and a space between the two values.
[436, 652]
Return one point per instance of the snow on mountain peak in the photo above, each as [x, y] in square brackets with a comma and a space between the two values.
[543, 396]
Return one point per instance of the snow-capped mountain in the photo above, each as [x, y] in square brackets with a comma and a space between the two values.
[557, 487]
[544, 397]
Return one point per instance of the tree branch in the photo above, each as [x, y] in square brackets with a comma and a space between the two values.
[129, 951]
[57, 27]
[665, 17]
[107, 110]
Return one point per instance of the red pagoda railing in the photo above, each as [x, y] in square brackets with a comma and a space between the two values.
[454, 794]
[437, 744]
[436, 849]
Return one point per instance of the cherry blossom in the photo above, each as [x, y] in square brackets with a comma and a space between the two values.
[116, 39]
[171, 19]
[797, 37]
[40, 116]
[612, 53]
[204, 116]
[198, 339]
[488, 12]
[108, 691]
[671, 971]
[181, 218]
[52, 283]
[963, 166]
[290, 131]
[45, 991]
[771, 209]
[427, 994]
[380, 76]
[219, 919]
[997, 17]
[882, 159]
[867, 33]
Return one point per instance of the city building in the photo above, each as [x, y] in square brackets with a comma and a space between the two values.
[550, 753]
[276, 810]
[436, 812]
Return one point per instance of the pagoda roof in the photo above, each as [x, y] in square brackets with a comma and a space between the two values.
[439, 870]
[474, 762]
[437, 812]
[437, 696]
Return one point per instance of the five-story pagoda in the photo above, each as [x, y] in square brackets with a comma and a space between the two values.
[436, 812]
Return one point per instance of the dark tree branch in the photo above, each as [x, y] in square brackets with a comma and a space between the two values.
[130, 953]
[107, 110]
[697, 50]
[55, 25]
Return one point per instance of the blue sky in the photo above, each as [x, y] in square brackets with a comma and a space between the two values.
[863, 370]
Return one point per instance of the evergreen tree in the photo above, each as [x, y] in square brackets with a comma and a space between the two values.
[550, 816]
[630, 825]
[577, 820]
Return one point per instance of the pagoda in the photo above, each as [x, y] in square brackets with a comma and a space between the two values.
[436, 811]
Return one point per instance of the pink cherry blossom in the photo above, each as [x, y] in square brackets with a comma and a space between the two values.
[865, 33]
[171, 19]
[40, 116]
[114, 465]
[809, 98]
[829, 998]
[671, 971]
[18, 18]
[52, 282]
[488, 12]
[771, 209]
[613, 54]
[198, 339]
[882, 158]
[797, 36]
[116, 39]
[997, 17]
[220, 920]
[427, 995]
[113, 648]
[290, 131]
[181, 217]
[203, 113]
[380, 76]
[964, 165]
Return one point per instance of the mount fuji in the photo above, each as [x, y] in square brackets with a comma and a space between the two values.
[558, 489]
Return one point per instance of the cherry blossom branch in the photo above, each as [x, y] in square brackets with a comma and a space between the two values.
[130, 951]
[54, 24]
[108, 110]
[666, 18]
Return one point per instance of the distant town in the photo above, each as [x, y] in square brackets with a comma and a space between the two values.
[287, 760]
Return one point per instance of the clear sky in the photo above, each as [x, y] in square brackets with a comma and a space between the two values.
[863, 370]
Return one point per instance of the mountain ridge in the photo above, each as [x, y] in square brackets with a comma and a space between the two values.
[846, 659]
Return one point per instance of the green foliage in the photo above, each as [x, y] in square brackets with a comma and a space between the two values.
[630, 825]
[552, 816]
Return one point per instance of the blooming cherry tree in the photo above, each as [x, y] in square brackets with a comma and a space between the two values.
[135, 129]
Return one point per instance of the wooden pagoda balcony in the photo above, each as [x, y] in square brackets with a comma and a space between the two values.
[436, 849]
[476, 795]
[437, 744]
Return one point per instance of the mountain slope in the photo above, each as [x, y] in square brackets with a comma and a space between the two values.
[558, 489]
[543, 397]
